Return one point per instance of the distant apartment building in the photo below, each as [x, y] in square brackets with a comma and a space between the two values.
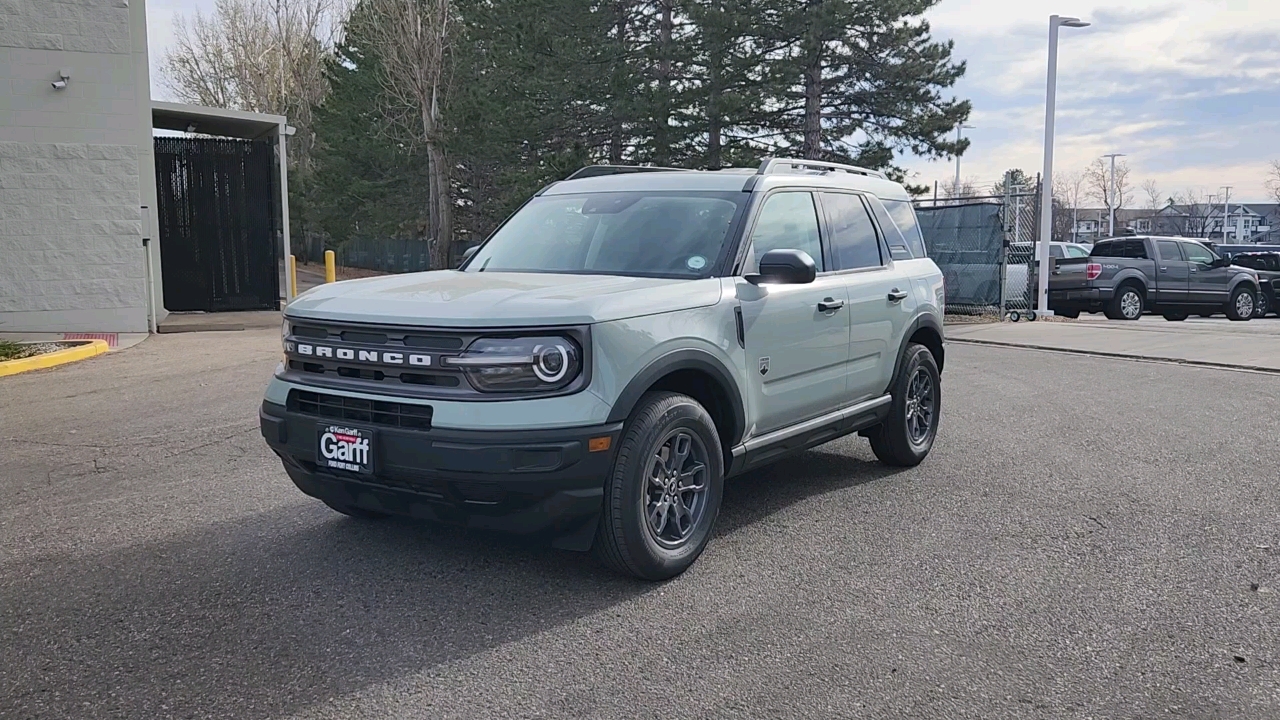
[1245, 223]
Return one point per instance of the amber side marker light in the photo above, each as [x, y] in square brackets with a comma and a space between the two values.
[599, 444]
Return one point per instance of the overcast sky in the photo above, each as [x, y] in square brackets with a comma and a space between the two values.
[1188, 89]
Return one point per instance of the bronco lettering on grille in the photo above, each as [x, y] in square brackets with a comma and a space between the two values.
[375, 357]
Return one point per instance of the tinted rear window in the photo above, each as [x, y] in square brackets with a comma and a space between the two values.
[904, 216]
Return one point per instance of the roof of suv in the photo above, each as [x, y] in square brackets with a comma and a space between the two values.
[728, 180]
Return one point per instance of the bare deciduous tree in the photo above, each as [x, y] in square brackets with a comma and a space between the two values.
[1197, 209]
[1069, 194]
[1154, 199]
[1273, 180]
[414, 40]
[1098, 178]
[256, 55]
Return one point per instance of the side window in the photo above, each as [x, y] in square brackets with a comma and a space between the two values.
[1105, 249]
[904, 216]
[788, 221]
[1075, 251]
[1055, 251]
[1168, 250]
[1197, 253]
[853, 236]
[1136, 249]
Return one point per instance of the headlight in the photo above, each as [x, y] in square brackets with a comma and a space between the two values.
[520, 364]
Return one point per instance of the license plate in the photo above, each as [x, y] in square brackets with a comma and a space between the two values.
[342, 447]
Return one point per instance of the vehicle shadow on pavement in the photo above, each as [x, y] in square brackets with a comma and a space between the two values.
[756, 495]
[271, 614]
[268, 616]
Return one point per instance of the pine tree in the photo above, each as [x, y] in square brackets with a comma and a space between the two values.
[858, 81]
[365, 184]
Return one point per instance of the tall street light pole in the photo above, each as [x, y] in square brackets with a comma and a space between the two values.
[1111, 205]
[1046, 186]
[1226, 210]
[959, 129]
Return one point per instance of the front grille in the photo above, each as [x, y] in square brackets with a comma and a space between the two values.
[429, 377]
[357, 410]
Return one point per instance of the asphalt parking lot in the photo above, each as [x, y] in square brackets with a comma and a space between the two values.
[1090, 538]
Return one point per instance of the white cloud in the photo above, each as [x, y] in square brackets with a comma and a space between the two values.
[1185, 87]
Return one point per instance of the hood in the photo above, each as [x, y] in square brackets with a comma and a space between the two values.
[449, 298]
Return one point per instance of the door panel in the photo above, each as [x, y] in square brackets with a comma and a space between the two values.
[876, 325]
[797, 355]
[796, 336]
[1207, 284]
[1173, 273]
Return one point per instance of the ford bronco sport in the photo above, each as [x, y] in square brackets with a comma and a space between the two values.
[618, 347]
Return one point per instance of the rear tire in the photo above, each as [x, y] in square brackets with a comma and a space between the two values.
[352, 511]
[906, 436]
[1069, 314]
[656, 522]
[1127, 303]
[1243, 301]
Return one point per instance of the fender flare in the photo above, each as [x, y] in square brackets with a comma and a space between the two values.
[686, 359]
[1132, 275]
[1240, 279]
[921, 321]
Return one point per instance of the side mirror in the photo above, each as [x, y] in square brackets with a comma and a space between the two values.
[466, 254]
[785, 267]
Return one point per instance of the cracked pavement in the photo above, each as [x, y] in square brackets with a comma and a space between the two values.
[1090, 538]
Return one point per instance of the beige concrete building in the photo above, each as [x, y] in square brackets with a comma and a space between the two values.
[77, 168]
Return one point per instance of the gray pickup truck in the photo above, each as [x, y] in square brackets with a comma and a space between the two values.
[1174, 277]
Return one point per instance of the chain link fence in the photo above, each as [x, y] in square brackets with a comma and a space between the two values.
[985, 247]
[389, 255]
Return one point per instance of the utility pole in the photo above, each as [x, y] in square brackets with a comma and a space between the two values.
[959, 129]
[1226, 210]
[1111, 202]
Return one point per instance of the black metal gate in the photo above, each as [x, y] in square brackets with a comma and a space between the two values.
[217, 224]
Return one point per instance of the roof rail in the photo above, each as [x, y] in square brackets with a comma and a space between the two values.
[591, 171]
[777, 165]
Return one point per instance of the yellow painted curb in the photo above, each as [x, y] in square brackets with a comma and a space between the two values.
[55, 358]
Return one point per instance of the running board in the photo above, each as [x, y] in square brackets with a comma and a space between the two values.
[801, 436]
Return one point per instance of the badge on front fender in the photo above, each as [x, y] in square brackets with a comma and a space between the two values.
[342, 447]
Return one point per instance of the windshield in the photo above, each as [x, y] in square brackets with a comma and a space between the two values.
[644, 234]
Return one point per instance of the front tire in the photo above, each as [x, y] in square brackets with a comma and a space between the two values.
[1264, 304]
[1243, 301]
[1175, 316]
[906, 436]
[662, 499]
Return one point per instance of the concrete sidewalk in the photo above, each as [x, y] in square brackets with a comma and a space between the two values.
[1253, 345]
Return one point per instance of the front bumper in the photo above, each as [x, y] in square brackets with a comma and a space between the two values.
[525, 482]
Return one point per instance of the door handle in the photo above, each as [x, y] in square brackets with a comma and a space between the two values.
[1194, 270]
[896, 295]
[1164, 269]
[830, 305]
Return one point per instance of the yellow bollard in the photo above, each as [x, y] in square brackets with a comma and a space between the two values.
[330, 267]
[292, 290]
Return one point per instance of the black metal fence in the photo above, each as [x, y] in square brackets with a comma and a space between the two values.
[216, 209]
